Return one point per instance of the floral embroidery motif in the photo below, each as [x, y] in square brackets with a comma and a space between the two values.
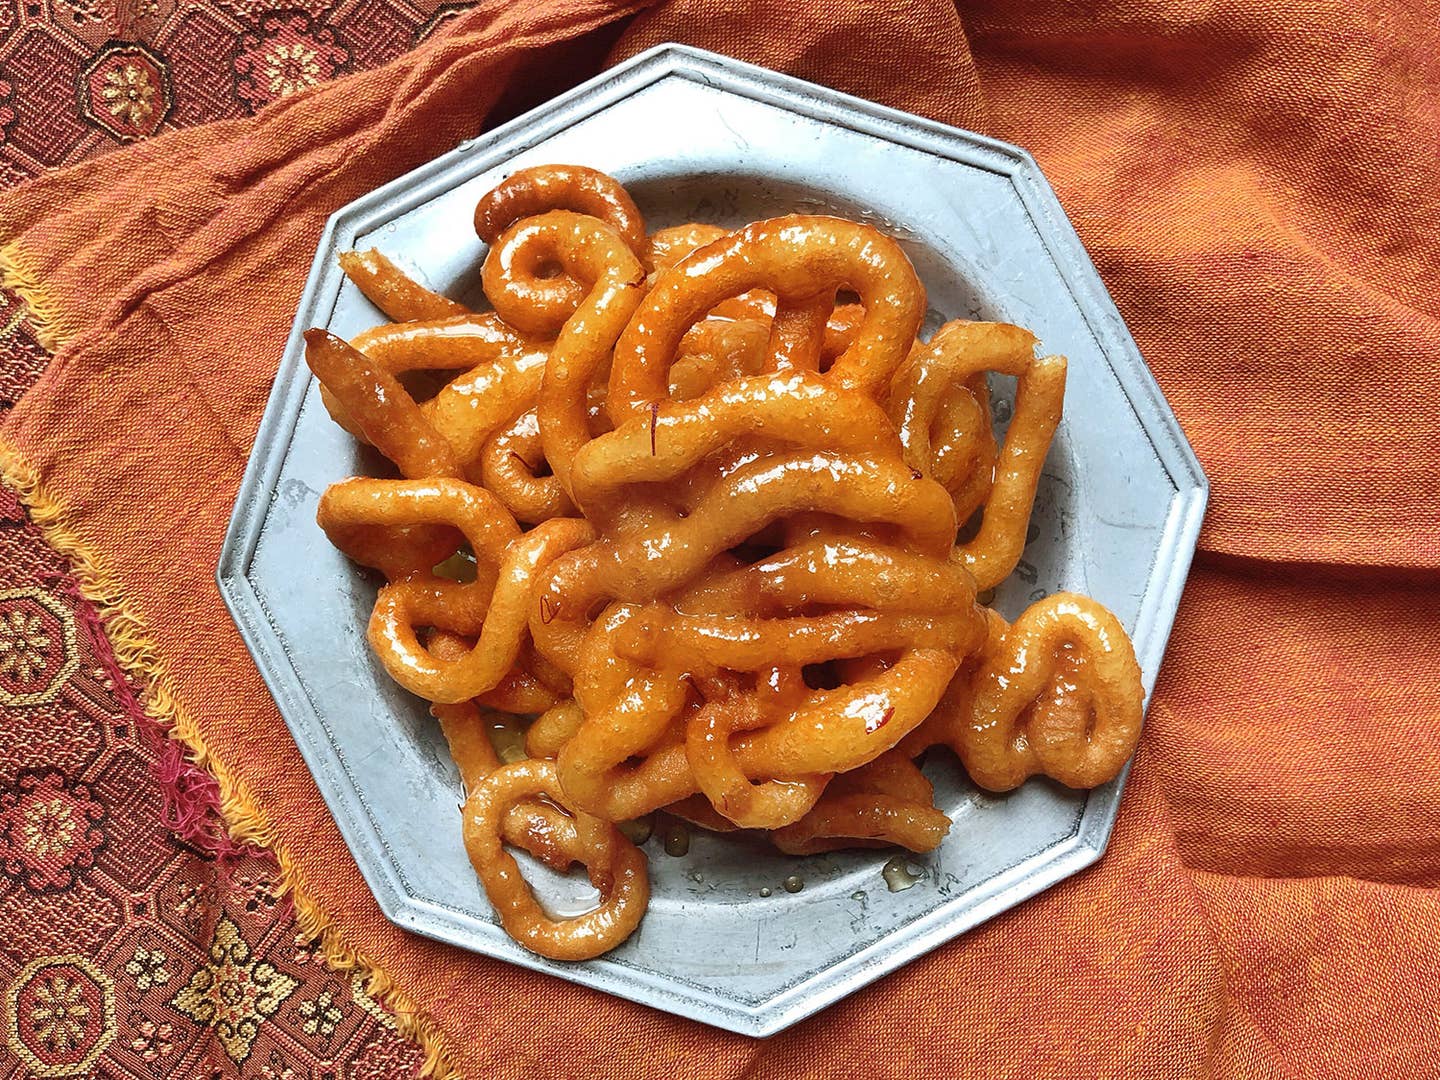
[147, 968]
[255, 892]
[130, 94]
[88, 11]
[60, 1015]
[38, 649]
[48, 830]
[234, 993]
[194, 899]
[126, 91]
[48, 827]
[276, 1069]
[153, 1042]
[23, 645]
[321, 1015]
[291, 68]
[287, 54]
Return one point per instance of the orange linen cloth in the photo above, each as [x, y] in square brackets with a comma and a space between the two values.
[1257, 182]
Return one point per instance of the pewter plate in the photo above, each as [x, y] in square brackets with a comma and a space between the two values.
[697, 136]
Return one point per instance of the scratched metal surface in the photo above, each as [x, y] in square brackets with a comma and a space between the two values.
[700, 137]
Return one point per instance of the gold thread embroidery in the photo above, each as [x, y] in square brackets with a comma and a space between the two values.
[25, 648]
[234, 993]
[58, 1015]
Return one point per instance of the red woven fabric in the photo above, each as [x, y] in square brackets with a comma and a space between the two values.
[81, 77]
[125, 950]
[1256, 183]
[117, 884]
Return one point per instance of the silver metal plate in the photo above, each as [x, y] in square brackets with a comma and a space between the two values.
[696, 136]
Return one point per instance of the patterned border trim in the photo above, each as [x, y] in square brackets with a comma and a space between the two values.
[246, 822]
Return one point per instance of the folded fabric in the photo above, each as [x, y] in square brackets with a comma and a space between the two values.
[1257, 185]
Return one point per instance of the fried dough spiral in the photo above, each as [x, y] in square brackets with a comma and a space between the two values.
[699, 520]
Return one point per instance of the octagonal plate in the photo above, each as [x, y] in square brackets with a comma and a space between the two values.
[696, 136]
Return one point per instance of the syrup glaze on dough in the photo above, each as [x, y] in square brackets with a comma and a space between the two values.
[708, 518]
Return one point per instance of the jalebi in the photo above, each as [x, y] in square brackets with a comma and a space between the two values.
[698, 517]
